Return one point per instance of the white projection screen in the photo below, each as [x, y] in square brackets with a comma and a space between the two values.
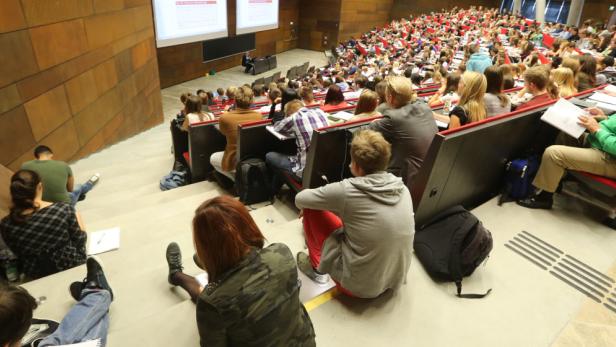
[256, 15]
[185, 21]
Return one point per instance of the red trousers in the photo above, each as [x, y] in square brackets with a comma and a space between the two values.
[318, 225]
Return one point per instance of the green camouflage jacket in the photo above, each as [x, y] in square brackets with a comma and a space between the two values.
[256, 304]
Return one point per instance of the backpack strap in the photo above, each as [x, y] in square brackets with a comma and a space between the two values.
[469, 223]
[470, 296]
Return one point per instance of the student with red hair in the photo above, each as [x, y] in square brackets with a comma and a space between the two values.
[252, 298]
[334, 99]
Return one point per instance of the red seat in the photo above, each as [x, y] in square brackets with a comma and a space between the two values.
[186, 156]
[606, 182]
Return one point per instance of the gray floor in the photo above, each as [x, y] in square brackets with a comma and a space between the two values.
[528, 306]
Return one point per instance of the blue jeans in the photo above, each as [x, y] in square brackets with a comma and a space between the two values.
[279, 163]
[87, 320]
[78, 190]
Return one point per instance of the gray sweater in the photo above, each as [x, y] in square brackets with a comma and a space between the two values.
[372, 251]
[410, 130]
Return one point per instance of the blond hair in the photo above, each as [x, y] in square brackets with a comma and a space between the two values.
[292, 106]
[370, 151]
[231, 92]
[564, 80]
[572, 64]
[472, 95]
[244, 97]
[400, 90]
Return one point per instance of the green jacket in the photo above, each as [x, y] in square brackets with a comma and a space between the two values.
[605, 138]
[256, 304]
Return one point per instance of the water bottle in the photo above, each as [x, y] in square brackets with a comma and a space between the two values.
[447, 104]
[11, 270]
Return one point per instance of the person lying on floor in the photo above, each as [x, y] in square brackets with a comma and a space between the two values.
[252, 298]
[360, 230]
[87, 320]
[594, 153]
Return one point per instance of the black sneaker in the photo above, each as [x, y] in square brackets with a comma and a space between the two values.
[543, 200]
[76, 288]
[95, 279]
[174, 261]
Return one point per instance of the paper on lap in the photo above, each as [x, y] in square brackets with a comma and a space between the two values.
[564, 115]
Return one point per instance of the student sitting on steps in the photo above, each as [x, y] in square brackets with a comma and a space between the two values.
[360, 230]
[252, 298]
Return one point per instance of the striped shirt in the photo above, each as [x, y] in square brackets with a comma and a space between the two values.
[301, 125]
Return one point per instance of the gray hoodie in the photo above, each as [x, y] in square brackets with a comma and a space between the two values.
[372, 251]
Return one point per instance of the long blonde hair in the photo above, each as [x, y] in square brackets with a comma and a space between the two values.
[472, 95]
[564, 80]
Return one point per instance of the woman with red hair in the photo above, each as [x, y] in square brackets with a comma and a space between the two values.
[252, 298]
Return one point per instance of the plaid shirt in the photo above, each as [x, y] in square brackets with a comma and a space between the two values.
[49, 239]
[301, 125]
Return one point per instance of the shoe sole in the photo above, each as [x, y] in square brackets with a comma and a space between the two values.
[102, 265]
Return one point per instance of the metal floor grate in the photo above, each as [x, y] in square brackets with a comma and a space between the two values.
[575, 273]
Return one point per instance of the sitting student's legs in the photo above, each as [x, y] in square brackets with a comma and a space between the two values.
[557, 159]
[82, 189]
[280, 163]
[318, 225]
[87, 320]
[216, 161]
[178, 278]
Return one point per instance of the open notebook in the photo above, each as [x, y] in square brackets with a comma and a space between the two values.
[564, 115]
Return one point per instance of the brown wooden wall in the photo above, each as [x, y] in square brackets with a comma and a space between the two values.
[403, 8]
[76, 75]
[5, 193]
[597, 10]
[319, 24]
[359, 16]
[185, 62]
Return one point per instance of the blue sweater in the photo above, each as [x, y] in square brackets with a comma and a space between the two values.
[478, 62]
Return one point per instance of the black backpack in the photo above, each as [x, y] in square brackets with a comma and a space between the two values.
[252, 181]
[452, 245]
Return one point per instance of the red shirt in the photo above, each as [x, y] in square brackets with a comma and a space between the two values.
[537, 100]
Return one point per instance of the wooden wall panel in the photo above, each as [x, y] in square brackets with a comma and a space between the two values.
[319, 24]
[76, 75]
[596, 10]
[5, 193]
[185, 62]
[359, 16]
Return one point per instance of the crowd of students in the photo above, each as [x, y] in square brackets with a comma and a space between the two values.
[475, 56]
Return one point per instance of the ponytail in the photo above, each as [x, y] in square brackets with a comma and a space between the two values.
[23, 192]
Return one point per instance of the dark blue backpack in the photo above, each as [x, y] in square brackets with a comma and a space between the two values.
[519, 178]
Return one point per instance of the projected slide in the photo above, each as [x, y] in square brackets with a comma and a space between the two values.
[256, 15]
[184, 21]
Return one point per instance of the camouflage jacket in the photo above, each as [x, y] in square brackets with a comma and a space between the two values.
[256, 304]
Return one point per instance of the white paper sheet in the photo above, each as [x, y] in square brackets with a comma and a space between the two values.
[346, 116]
[91, 343]
[610, 88]
[103, 241]
[278, 135]
[202, 279]
[564, 116]
[604, 98]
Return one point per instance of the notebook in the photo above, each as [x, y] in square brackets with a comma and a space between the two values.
[603, 98]
[345, 116]
[564, 115]
[103, 241]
